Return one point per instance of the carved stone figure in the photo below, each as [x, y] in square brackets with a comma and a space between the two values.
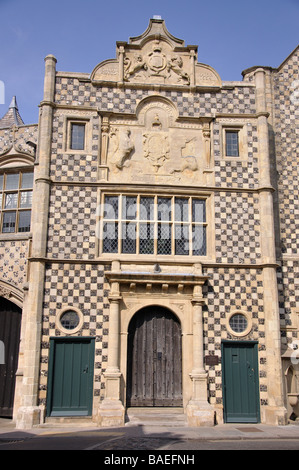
[121, 147]
[175, 64]
[187, 163]
[188, 159]
[132, 69]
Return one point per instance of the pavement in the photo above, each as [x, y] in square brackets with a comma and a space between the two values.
[139, 436]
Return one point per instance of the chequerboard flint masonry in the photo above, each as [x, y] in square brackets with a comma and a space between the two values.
[149, 242]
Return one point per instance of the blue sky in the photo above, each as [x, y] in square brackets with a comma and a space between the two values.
[232, 36]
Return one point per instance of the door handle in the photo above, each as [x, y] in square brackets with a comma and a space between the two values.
[85, 371]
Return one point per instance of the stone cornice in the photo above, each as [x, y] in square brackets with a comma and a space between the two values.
[155, 278]
[108, 261]
[107, 186]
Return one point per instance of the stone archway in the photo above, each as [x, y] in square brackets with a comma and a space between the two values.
[154, 359]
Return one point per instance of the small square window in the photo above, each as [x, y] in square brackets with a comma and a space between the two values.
[232, 143]
[77, 136]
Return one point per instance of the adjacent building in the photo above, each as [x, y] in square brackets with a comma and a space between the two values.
[160, 269]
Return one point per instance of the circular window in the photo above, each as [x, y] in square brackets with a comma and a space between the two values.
[69, 320]
[239, 324]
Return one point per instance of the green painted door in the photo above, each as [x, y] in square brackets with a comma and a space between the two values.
[70, 385]
[240, 382]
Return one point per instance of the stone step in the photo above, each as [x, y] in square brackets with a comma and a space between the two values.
[170, 417]
[69, 420]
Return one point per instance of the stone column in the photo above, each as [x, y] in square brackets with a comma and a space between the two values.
[111, 412]
[199, 411]
[192, 66]
[121, 51]
[207, 140]
[29, 414]
[274, 412]
[105, 129]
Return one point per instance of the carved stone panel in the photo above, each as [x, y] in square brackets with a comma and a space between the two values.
[156, 148]
[157, 63]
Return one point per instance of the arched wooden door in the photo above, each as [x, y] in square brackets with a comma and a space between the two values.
[154, 364]
[10, 327]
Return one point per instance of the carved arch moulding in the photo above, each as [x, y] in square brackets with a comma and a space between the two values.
[11, 293]
[14, 155]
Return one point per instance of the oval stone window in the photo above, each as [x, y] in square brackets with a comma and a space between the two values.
[238, 323]
[69, 320]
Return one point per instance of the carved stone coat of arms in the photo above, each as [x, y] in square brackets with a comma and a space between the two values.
[156, 148]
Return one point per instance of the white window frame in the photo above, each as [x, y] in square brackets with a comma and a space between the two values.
[155, 222]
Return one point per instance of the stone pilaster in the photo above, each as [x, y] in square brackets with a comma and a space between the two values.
[111, 411]
[199, 411]
[274, 412]
[29, 414]
[105, 129]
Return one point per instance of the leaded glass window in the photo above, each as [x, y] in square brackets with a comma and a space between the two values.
[77, 136]
[154, 225]
[232, 143]
[238, 323]
[69, 320]
[15, 202]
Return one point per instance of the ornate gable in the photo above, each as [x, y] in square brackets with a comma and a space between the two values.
[156, 58]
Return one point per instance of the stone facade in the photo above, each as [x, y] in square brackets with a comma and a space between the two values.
[156, 124]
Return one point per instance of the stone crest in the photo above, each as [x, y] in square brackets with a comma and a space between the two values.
[156, 57]
[156, 64]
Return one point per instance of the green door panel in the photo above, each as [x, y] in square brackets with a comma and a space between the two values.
[70, 385]
[240, 382]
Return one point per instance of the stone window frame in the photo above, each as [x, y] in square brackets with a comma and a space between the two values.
[248, 317]
[241, 129]
[63, 310]
[73, 142]
[69, 121]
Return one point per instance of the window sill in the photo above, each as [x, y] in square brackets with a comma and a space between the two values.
[152, 259]
[15, 236]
